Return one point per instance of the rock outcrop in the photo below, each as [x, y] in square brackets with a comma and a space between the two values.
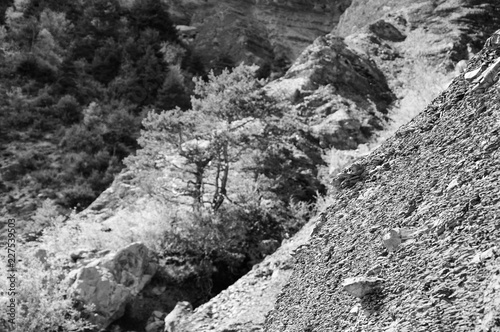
[108, 283]
[262, 32]
[442, 181]
[340, 94]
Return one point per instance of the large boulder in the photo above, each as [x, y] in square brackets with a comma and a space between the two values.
[108, 283]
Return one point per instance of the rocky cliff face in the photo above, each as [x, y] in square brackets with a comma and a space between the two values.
[263, 32]
[418, 219]
[449, 31]
[338, 93]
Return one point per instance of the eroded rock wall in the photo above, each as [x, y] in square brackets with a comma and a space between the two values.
[257, 31]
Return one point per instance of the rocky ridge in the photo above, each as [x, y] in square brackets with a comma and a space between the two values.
[337, 92]
[438, 180]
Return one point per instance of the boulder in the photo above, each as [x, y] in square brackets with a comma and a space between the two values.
[361, 286]
[108, 283]
[392, 240]
[387, 31]
[155, 322]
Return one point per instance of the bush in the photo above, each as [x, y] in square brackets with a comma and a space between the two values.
[32, 160]
[69, 110]
[79, 138]
[78, 196]
[41, 299]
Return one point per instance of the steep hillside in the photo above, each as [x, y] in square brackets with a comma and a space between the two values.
[417, 220]
[410, 39]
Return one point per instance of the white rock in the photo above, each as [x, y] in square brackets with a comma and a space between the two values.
[110, 281]
[392, 240]
[482, 256]
[361, 286]
[469, 76]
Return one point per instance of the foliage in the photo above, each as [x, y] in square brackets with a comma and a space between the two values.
[59, 59]
[234, 169]
[234, 134]
[41, 299]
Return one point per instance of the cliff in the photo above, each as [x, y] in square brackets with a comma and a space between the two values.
[263, 32]
[420, 217]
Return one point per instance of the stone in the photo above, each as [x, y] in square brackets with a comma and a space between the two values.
[354, 310]
[491, 311]
[488, 77]
[155, 326]
[482, 256]
[78, 254]
[392, 240]
[374, 271]
[386, 31]
[181, 311]
[460, 67]
[110, 282]
[361, 286]
[41, 254]
[471, 75]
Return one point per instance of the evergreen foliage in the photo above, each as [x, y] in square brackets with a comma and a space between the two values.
[234, 160]
[60, 60]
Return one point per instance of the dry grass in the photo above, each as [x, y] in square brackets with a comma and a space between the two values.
[148, 225]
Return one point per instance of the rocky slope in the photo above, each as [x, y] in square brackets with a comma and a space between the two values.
[432, 193]
[262, 32]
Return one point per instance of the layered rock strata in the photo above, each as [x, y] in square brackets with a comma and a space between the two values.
[257, 31]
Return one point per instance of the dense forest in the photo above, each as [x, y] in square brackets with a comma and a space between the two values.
[82, 75]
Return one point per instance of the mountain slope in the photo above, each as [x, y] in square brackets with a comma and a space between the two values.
[437, 180]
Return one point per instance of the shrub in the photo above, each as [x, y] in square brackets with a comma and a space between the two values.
[79, 196]
[41, 299]
[69, 109]
[45, 216]
[80, 138]
[31, 160]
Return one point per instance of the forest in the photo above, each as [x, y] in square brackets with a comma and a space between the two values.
[81, 76]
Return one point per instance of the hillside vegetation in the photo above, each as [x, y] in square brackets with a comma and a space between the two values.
[75, 78]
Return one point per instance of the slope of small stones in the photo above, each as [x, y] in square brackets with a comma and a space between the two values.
[440, 177]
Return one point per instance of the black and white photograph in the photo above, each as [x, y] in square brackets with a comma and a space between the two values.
[249, 165]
